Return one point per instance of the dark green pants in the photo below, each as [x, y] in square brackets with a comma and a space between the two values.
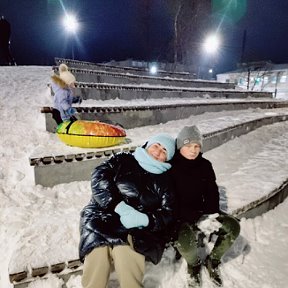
[188, 239]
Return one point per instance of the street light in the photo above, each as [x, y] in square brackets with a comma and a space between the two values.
[153, 69]
[71, 25]
[211, 47]
[211, 44]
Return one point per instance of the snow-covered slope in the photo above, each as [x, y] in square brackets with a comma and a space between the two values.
[39, 226]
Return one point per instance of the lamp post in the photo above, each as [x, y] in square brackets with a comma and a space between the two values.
[153, 69]
[210, 71]
[211, 44]
[71, 26]
[211, 47]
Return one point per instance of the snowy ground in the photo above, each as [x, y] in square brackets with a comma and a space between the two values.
[39, 226]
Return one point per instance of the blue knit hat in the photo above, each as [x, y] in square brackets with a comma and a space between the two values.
[166, 141]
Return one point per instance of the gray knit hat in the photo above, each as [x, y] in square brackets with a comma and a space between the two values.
[189, 134]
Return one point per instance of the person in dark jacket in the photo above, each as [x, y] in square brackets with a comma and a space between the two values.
[130, 208]
[5, 34]
[197, 198]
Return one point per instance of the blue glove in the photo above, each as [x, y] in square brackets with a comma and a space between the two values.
[70, 111]
[130, 217]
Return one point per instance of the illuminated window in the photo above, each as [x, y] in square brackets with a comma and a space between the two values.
[283, 79]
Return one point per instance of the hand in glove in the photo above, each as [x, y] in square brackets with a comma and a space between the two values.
[73, 118]
[70, 111]
[130, 217]
[77, 99]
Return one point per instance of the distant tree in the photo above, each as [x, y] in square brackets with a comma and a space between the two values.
[191, 23]
[144, 16]
[257, 70]
[176, 10]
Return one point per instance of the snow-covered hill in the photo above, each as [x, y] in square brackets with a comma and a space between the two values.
[39, 226]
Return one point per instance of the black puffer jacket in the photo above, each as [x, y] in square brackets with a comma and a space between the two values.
[195, 188]
[122, 178]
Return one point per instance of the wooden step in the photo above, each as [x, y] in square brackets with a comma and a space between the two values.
[49, 170]
[106, 91]
[101, 76]
[121, 69]
[143, 115]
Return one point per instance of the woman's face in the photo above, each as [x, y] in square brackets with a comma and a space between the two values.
[190, 151]
[158, 152]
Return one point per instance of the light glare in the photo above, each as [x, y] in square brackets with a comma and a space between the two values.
[212, 43]
[153, 69]
[70, 23]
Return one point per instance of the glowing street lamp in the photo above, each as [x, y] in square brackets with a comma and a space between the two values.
[211, 44]
[153, 69]
[71, 25]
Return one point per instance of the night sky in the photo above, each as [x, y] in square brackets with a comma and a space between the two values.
[121, 29]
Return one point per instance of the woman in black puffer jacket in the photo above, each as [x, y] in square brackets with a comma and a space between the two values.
[130, 209]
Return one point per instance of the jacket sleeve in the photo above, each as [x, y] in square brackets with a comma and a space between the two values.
[104, 190]
[164, 216]
[212, 196]
[64, 101]
[70, 97]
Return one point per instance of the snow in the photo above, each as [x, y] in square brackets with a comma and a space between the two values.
[39, 226]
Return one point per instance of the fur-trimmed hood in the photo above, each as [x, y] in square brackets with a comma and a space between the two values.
[58, 81]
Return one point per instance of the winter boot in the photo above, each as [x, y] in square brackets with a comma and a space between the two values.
[195, 276]
[178, 256]
[212, 266]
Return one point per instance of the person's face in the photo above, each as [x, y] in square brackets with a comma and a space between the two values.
[158, 152]
[190, 151]
[72, 85]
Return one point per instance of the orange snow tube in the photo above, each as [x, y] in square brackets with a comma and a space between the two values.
[90, 134]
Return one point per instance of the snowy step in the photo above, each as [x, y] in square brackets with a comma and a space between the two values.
[121, 69]
[66, 269]
[263, 204]
[53, 169]
[101, 76]
[143, 115]
[106, 91]
[63, 270]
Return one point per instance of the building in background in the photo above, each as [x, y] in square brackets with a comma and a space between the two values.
[259, 76]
